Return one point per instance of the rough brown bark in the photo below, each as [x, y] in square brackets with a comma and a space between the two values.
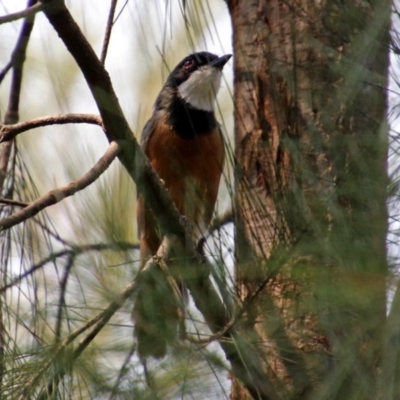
[310, 128]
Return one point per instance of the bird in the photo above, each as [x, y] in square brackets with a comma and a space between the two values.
[184, 144]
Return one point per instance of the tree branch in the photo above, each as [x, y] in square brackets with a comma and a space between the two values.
[59, 194]
[73, 252]
[28, 12]
[5, 70]
[11, 202]
[98, 321]
[107, 34]
[12, 113]
[11, 116]
[61, 300]
[9, 132]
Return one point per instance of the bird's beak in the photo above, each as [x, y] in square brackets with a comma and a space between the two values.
[221, 61]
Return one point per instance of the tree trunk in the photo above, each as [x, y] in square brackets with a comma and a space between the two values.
[311, 142]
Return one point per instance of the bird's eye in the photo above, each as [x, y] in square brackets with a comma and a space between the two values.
[188, 64]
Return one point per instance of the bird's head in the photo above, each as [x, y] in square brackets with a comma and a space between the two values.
[197, 78]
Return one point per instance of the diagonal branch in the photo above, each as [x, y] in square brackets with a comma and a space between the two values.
[59, 194]
[9, 132]
[18, 58]
[28, 12]
[74, 251]
[5, 70]
[11, 202]
[61, 299]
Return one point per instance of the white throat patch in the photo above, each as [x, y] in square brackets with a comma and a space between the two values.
[200, 90]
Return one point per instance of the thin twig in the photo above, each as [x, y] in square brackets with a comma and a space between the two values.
[100, 320]
[61, 302]
[107, 34]
[5, 154]
[11, 202]
[12, 113]
[121, 11]
[51, 233]
[28, 12]
[11, 116]
[5, 70]
[238, 313]
[9, 132]
[216, 225]
[122, 372]
[75, 251]
[56, 195]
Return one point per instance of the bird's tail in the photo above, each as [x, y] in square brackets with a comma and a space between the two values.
[156, 314]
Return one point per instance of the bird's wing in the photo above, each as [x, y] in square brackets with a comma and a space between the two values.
[147, 132]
